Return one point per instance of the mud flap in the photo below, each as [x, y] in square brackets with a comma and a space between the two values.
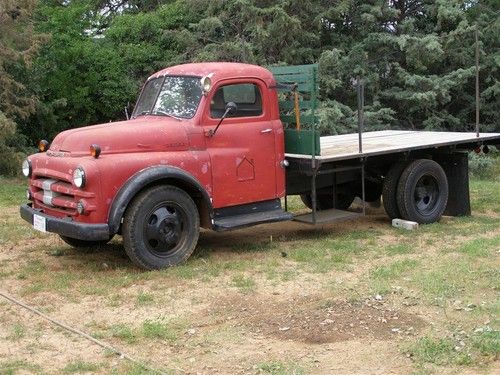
[456, 167]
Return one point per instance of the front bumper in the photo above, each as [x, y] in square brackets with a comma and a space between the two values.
[67, 227]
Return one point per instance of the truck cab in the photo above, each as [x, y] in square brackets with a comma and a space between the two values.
[203, 147]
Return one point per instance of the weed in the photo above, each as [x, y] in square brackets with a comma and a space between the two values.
[487, 343]
[124, 333]
[18, 332]
[12, 367]
[245, 284]
[280, 368]
[438, 351]
[144, 299]
[80, 366]
[155, 329]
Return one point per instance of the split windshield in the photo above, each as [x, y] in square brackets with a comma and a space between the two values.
[172, 96]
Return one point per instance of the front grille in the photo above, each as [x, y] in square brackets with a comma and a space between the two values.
[55, 194]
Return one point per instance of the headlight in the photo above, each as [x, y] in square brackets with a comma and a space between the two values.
[79, 177]
[26, 168]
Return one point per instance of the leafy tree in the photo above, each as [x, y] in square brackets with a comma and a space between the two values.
[18, 46]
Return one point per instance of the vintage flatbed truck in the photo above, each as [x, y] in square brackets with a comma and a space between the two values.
[217, 146]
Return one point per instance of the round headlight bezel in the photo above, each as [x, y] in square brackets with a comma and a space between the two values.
[26, 168]
[79, 178]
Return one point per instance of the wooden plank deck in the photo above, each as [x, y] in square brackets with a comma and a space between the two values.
[343, 147]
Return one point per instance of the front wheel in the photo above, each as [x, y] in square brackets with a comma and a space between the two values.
[422, 192]
[161, 228]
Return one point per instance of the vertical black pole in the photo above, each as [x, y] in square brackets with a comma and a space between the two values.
[477, 81]
[361, 103]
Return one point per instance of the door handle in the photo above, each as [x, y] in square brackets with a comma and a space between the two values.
[268, 130]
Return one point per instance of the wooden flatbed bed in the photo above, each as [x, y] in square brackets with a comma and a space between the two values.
[345, 147]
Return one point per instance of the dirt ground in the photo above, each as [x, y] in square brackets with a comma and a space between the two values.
[246, 303]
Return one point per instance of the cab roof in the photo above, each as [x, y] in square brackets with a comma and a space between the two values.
[218, 71]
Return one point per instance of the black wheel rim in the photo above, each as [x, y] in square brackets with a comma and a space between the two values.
[165, 229]
[426, 194]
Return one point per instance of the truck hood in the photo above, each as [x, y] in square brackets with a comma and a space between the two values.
[147, 133]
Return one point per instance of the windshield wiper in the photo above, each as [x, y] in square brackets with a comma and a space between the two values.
[161, 113]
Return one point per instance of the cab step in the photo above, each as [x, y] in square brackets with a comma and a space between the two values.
[249, 214]
[327, 216]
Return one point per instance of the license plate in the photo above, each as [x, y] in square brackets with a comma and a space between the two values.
[39, 223]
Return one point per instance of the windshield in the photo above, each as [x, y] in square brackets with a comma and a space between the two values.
[170, 96]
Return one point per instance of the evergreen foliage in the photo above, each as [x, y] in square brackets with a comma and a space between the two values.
[416, 57]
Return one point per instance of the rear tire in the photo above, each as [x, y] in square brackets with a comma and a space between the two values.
[422, 192]
[83, 244]
[161, 228]
[389, 189]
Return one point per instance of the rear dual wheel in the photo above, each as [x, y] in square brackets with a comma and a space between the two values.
[417, 191]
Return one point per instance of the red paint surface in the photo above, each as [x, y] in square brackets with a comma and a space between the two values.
[130, 146]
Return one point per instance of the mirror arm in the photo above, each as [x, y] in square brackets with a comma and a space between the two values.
[212, 132]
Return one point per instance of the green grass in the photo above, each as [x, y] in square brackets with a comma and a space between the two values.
[17, 332]
[124, 332]
[11, 367]
[395, 269]
[144, 299]
[12, 191]
[438, 351]
[244, 283]
[279, 368]
[480, 247]
[400, 248]
[487, 343]
[80, 367]
[156, 329]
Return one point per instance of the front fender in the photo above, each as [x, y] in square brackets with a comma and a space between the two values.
[144, 178]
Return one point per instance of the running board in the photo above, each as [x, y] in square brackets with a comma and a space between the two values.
[327, 216]
[246, 215]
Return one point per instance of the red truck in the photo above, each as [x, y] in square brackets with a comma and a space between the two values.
[205, 147]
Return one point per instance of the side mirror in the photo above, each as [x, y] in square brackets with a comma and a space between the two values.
[231, 108]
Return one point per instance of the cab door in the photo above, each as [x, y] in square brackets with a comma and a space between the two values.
[242, 151]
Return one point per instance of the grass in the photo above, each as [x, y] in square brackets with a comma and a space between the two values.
[80, 367]
[480, 247]
[12, 191]
[279, 368]
[244, 283]
[17, 332]
[477, 349]
[124, 333]
[156, 329]
[15, 366]
[438, 351]
[144, 299]
[439, 264]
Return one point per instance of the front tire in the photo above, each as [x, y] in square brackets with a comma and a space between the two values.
[422, 192]
[161, 228]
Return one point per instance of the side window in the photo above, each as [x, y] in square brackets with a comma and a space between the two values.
[246, 96]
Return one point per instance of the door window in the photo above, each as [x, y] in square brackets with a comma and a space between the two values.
[246, 96]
